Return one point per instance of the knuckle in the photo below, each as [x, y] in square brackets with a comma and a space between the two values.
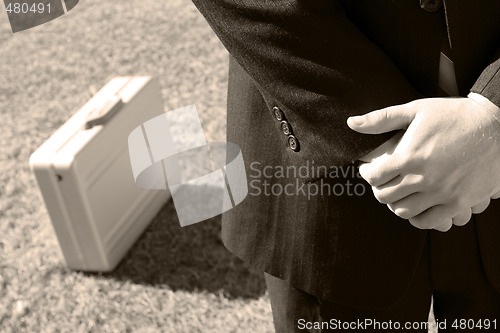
[480, 207]
[461, 221]
[444, 228]
[403, 162]
[383, 200]
[381, 196]
[418, 179]
[364, 171]
[486, 203]
[423, 223]
[404, 213]
[417, 224]
[381, 115]
[370, 177]
[425, 182]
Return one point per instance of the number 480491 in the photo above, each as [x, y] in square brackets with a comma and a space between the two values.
[25, 8]
[472, 324]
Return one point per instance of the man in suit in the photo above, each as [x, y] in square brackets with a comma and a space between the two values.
[331, 252]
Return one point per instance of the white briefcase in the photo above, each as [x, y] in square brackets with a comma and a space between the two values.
[85, 177]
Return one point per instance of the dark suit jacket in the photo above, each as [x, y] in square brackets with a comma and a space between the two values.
[321, 61]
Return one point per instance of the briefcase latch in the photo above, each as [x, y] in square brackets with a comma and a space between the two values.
[103, 112]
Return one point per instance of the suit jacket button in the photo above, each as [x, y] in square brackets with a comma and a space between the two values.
[285, 127]
[431, 5]
[278, 114]
[293, 143]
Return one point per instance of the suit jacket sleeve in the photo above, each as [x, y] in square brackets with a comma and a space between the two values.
[310, 60]
[488, 83]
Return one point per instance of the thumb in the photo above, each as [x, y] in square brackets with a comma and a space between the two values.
[383, 120]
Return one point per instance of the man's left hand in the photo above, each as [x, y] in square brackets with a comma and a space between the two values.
[446, 165]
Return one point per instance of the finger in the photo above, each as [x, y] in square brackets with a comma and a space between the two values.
[398, 188]
[383, 120]
[496, 195]
[445, 226]
[413, 205]
[462, 218]
[436, 217]
[381, 170]
[481, 207]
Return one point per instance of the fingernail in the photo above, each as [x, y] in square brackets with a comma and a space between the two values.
[357, 121]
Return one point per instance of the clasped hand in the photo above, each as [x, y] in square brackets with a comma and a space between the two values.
[444, 165]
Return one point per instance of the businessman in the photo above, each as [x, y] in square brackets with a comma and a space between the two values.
[304, 76]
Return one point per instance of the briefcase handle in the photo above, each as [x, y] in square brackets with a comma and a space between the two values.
[104, 112]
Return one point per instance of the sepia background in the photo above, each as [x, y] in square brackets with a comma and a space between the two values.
[173, 279]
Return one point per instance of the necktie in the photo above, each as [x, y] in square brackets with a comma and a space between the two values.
[447, 79]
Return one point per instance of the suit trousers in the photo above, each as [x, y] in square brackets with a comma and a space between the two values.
[450, 273]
